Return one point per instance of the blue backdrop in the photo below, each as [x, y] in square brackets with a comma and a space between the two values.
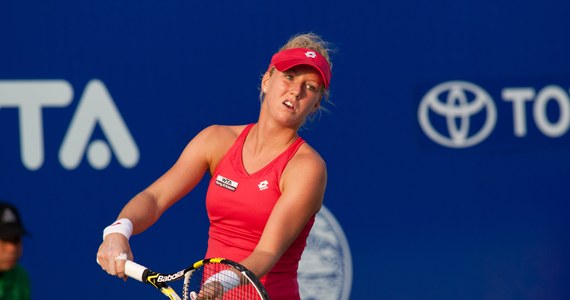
[447, 145]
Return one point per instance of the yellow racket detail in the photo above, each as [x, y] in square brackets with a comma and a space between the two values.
[170, 293]
[207, 277]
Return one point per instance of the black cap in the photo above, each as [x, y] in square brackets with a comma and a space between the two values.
[10, 223]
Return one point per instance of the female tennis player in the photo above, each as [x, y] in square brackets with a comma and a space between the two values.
[266, 182]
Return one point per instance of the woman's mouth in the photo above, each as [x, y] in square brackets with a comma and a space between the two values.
[289, 104]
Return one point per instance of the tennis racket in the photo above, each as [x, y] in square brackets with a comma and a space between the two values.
[211, 278]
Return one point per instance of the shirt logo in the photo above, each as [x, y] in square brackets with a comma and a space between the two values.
[263, 185]
[311, 54]
[226, 183]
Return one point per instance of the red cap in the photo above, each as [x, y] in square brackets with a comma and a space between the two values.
[288, 58]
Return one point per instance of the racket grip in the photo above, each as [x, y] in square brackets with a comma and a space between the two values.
[134, 270]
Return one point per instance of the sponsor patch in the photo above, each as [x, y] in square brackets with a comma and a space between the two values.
[226, 183]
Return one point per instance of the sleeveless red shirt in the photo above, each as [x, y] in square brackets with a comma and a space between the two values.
[239, 205]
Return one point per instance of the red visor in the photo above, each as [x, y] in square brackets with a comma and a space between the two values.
[286, 59]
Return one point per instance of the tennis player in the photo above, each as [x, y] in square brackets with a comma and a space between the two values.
[266, 182]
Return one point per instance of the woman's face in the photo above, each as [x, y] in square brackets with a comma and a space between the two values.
[293, 94]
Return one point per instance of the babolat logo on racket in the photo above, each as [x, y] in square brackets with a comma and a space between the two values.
[171, 277]
[226, 183]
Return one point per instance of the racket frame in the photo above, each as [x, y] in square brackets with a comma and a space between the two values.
[160, 280]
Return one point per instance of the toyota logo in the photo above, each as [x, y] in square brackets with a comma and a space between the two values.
[454, 104]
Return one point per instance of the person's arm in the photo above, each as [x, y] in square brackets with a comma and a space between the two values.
[144, 209]
[303, 187]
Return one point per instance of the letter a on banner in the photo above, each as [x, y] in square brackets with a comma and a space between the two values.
[96, 107]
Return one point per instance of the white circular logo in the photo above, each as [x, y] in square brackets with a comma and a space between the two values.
[325, 270]
[311, 54]
[456, 103]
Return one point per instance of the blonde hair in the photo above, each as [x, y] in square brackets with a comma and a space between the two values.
[309, 41]
[316, 43]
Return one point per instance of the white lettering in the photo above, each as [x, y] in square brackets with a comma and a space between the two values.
[171, 277]
[556, 94]
[96, 107]
[30, 96]
[519, 96]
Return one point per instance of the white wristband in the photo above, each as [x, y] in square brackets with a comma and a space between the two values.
[226, 278]
[122, 226]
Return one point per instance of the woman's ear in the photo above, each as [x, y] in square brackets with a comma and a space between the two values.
[265, 82]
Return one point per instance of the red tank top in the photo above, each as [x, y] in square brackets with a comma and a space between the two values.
[239, 205]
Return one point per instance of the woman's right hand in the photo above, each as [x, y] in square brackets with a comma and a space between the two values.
[111, 254]
[211, 290]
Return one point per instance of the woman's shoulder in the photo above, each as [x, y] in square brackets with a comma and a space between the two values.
[221, 132]
[308, 157]
[307, 150]
[218, 138]
[224, 130]
[308, 162]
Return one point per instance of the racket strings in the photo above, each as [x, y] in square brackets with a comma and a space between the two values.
[215, 281]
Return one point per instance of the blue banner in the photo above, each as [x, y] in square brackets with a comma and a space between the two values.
[446, 146]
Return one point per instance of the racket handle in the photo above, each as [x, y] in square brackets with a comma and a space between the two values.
[134, 270]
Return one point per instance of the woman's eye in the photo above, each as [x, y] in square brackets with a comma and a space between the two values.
[288, 76]
[311, 87]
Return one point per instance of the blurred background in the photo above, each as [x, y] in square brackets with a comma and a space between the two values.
[447, 146]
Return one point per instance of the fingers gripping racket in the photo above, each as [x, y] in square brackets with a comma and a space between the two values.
[212, 278]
